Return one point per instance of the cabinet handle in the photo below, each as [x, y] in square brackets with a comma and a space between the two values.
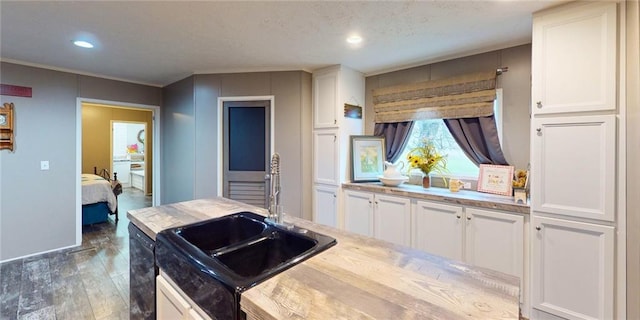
[539, 104]
[469, 218]
[538, 228]
[458, 216]
[334, 195]
[369, 201]
[335, 121]
[539, 130]
[334, 138]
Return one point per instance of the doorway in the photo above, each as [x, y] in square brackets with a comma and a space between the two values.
[94, 149]
[246, 150]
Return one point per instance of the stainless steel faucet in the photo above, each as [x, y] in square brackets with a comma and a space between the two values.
[275, 213]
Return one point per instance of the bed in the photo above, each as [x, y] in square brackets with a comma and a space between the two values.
[99, 197]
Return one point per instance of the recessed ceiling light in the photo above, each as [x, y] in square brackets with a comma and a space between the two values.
[83, 44]
[354, 39]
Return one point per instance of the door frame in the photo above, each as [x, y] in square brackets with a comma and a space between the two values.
[220, 142]
[155, 123]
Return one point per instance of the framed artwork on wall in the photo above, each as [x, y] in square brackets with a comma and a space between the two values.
[367, 158]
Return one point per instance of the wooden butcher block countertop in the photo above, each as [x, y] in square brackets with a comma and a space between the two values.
[358, 278]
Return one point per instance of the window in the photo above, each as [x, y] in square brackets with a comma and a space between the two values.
[435, 130]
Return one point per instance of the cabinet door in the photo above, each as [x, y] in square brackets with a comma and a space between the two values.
[325, 148]
[169, 303]
[325, 98]
[438, 229]
[392, 219]
[495, 241]
[574, 51]
[573, 166]
[572, 268]
[325, 205]
[358, 212]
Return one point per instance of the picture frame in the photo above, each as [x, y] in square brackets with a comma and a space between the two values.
[367, 158]
[496, 179]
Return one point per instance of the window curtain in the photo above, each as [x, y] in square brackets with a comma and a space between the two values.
[465, 103]
[478, 138]
[395, 136]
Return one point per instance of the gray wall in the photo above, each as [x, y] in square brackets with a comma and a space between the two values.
[197, 122]
[38, 208]
[177, 165]
[516, 85]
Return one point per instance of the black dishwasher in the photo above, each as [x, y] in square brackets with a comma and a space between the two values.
[142, 275]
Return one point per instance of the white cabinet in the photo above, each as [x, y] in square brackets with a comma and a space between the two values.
[574, 166]
[575, 162]
[325, 155]
[333, 87]
[495, 240]
[438, 229]
[172, 304]
[122, 168]
[381, 216]
[574, 58]
[326, 87]
[325, 204]
[573, 270]
[483, 238]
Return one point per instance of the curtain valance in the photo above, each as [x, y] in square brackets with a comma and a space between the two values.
[464, 96]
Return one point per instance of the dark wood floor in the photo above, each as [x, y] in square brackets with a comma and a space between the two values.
[86, 282]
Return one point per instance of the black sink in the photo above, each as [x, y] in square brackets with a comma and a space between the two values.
[214, 234]
[265, 254]
[214, 261]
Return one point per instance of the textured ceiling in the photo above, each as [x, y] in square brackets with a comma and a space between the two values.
[160, 42]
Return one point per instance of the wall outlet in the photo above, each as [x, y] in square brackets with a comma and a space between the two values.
[44, 165]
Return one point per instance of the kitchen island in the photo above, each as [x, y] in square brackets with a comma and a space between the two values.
[359, 278]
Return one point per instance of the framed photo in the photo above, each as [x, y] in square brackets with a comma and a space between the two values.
[496, 179]
[367, 158]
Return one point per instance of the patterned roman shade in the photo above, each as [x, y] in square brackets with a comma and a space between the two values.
[464, 96]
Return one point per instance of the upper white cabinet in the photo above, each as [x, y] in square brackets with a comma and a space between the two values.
[381, 216]
[325, 102]
[574, 166]
[572, 269]
[574, 58]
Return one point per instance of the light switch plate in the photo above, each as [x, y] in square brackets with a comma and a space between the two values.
[44, 165]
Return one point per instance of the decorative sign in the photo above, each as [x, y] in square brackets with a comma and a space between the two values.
[496, 179]
[352, 111]
[16, 91]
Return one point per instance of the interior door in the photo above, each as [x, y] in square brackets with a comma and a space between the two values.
[246, 151]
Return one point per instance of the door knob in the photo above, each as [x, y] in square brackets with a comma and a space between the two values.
[539, 104]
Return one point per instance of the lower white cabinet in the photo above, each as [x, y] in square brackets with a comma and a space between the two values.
[325, 205]
[171, 303]
[483, 238]
[438, 229]
[572, 269]
[381, 216]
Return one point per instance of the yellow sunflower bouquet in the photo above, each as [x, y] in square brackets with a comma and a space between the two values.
[426, 158]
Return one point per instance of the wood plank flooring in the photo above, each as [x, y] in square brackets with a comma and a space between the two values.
[86, 282]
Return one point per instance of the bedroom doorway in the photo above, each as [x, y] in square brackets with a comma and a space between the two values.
[94, 150]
